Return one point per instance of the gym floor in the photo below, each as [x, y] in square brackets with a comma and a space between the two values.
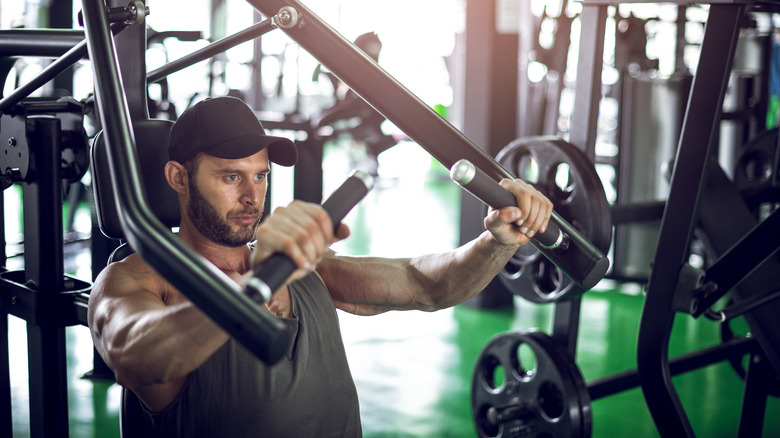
[413, 370]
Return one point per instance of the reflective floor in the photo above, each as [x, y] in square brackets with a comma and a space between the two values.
[413, 370]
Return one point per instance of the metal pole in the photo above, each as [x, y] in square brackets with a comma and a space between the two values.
[44, 271]
[704, 106]
[206, 286]
[212, 49]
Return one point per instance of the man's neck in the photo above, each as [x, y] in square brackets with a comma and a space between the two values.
[226, 258]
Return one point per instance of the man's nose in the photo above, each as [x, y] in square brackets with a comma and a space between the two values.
[250, 193]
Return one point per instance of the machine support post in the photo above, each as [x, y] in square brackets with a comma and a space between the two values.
[688, 177]
[44, 266]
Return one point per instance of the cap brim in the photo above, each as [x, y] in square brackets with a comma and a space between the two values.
[281, 150]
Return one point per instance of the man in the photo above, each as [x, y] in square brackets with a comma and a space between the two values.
[191, 377]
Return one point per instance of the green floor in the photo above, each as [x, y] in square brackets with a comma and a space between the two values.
[413, 370]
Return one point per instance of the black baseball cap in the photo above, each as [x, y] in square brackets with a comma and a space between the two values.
[225, 127]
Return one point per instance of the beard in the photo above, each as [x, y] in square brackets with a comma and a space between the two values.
[208, 222]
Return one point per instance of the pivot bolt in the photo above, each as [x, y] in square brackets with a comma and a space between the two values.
[137, 12]
[286, 18]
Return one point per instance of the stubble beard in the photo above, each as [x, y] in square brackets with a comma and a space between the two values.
[208, 222]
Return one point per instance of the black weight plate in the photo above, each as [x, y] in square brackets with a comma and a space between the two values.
[757, 167]
[564, 174]
[543, 397]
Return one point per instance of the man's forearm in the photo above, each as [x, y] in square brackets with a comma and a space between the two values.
[465, 272]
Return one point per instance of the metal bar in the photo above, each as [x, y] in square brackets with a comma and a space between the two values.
[6, 426]
[44, 271]
[740, 309]
[48, 381]
[206, 286]
[42, 204]
[704, 105]
[382, 91]
[587, 95]
[419, 121]
[724, 219]
[759, 372]
[60, 65]
[583, 135]
[631, 213]
[38, 42]
[130, 48]
[212, 49]
[626, 380]
[742, 259]
[3, 255]
[566, 324]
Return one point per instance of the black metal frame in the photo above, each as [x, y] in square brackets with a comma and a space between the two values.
[155, 243]
[672, 286]
[41, 294]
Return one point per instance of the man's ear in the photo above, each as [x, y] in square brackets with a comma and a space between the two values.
[177, 176]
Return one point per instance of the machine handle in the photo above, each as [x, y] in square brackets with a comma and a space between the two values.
[579, 259]
[272, 274]
[487, 190]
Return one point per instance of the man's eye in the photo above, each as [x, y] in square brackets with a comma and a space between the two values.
[232, 177]
[260, 177]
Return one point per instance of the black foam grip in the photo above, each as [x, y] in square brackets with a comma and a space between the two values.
[487, 190]
[275, 271]
[579, 259]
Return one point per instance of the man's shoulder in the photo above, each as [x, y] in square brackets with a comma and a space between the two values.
[132, 271]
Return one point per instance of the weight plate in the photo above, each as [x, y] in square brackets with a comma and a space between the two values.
[757, 166]
[564, 174]
[525, 385]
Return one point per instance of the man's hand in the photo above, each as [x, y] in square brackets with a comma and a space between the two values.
[517, 225]
[301, 230]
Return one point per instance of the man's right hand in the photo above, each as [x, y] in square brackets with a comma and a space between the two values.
[301, 230]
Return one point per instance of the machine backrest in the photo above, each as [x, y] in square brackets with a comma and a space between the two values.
[151, 137]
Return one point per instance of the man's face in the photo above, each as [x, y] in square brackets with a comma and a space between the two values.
[226, 198]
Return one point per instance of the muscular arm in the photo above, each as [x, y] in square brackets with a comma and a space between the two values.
[371, 285]
[149, 335]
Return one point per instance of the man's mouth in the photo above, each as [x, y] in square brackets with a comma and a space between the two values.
[246, 218]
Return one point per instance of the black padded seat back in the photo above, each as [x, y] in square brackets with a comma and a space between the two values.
[151, 137]
[120, 253]
[132, 421]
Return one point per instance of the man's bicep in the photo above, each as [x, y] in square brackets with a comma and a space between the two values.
[118, 297]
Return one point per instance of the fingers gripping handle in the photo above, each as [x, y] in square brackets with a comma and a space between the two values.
[491, 193]
[577, 258]
[272, 274]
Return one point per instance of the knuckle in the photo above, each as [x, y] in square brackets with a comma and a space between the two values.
[289, 245]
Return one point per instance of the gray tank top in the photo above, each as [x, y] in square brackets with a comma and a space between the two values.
[308, 393]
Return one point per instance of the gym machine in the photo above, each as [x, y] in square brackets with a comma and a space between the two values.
[44, 147]
[46, 298]
[702, 197]
[187, 271]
